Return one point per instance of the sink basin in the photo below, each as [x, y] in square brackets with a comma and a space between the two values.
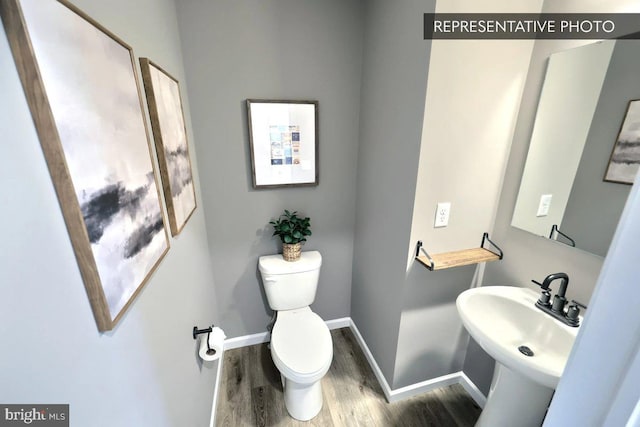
[503, 318]
[530, 348]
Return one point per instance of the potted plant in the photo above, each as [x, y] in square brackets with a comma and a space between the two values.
[293, 231]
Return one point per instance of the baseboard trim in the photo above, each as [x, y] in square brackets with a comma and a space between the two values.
[473, 390]
[392, 395]
[423, 386]
[372, 361]
[246, 340]
[263, 337]
[343, 322]
[214, 404]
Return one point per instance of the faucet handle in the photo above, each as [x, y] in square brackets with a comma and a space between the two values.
[578, 303]
[541, 285]
[545, 297]
[574, 311]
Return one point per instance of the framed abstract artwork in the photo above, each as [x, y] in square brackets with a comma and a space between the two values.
[85, 100]
[283, 139]
[170, 135]
[625, 156]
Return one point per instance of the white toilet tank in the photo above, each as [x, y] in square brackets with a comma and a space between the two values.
[290, 285]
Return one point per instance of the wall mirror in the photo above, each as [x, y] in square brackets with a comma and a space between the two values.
[583, 102]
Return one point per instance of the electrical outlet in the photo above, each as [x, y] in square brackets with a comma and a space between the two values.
[545, 204]
[442, 214]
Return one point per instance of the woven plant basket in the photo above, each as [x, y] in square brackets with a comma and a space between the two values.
[291, 251]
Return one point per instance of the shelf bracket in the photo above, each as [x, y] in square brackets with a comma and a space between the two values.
[555, 229]
[420, 248]
[485, 237]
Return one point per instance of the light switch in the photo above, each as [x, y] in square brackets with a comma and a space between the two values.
[442, 214]
[545, 204]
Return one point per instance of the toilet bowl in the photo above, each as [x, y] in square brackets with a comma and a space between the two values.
[302, 350]
[301, 346]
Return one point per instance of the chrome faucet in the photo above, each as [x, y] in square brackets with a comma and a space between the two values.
[556, 309]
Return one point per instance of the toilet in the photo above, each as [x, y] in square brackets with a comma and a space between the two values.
[301, 346]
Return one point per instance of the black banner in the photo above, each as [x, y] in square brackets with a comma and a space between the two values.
[34, 415]
[529, 26]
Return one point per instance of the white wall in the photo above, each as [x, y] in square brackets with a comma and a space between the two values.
[145, 372]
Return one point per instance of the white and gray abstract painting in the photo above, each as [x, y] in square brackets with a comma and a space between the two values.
[625, 159]
[181, 198]
[91, 87]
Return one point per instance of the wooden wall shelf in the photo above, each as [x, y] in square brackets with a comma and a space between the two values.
[460, 258]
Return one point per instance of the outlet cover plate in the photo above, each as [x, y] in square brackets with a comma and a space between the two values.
[545, 204]
[442, 214]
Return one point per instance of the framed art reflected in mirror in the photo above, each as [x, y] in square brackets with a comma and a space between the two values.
[625, 157]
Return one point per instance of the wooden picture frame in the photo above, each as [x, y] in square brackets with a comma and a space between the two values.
[84, 95]
[170, 135]
[283, 140]
[625, 155]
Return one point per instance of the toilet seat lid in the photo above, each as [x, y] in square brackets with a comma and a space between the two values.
[302, 342]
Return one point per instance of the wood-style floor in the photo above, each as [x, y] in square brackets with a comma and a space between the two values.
[251, 394]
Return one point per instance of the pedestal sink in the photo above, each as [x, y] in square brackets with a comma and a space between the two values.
[530, 348]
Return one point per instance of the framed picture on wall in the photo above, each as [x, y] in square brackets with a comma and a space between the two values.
[85, 100]
[170, 135]
[625, 157]
[283, 140]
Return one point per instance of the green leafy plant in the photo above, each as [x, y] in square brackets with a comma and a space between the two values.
[291, 228]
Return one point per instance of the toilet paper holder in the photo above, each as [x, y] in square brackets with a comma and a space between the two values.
[196, 332]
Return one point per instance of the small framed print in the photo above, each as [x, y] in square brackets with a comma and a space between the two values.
[283, 139]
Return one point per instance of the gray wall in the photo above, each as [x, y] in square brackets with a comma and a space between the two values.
[145, 372]
[593, 224]
[432, 341]
[274, 49]
[394, 78]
